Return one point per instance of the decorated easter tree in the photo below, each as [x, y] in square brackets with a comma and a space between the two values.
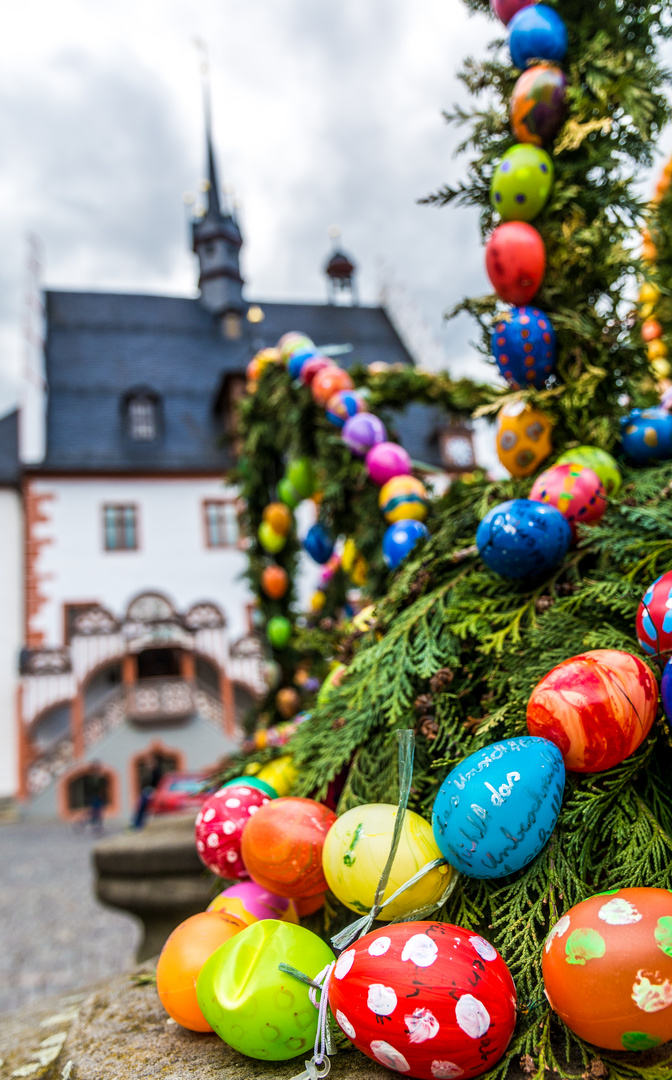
[456, 649]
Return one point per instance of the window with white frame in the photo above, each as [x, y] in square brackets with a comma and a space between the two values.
[142, 418]
[222, 527]
[120, 525]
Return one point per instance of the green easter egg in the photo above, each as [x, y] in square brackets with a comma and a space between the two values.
[301, 476]
[253, 781]
[288, 494]
[599, 461]
[279, 631]
[269, 539]
[252, 1005]
[522, 183]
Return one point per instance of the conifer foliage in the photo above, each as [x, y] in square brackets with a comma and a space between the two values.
[456, 650]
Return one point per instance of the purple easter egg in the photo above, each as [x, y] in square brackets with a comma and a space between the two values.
[506, 9]
[362, 431]
[385, 460]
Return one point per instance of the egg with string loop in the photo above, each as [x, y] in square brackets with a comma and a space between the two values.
[427, 1000]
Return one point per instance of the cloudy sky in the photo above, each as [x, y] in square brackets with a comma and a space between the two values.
[323, 113]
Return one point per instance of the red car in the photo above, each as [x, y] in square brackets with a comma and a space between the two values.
[180, 791]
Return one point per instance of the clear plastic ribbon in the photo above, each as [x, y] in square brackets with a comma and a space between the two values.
[319, 1065]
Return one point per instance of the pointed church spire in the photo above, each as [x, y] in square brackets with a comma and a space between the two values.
[217, 239]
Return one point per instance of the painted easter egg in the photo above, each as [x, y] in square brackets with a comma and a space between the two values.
[301, 476]
[255, 1007]
[311, 368]
[646, 435]
[270, 540]
[297, 359]
[495, 811]
[537, 33]
[250, 902]
[327, 382]
[403, 498]
[599, 461]
[342, 405]
[522, 183]
[354, 563]
[252, 781]
[291, 342]
[424, 999]
[515, 260]
[288, 494]
[279, 631]
[520, 538]
[523, 438]
[386, 460]
[283, 850]
[538, 104]
[279, 517]
[654, 616]
[607, 968]
[274, 582]
[399, 540]
[362, 431]
[318, 543]
[523, 344]
[182, 957]
[575, 490]
[357, 848]
[506, 9]
[219, 827]
[281, 774]
[597, 708]
[666, 690]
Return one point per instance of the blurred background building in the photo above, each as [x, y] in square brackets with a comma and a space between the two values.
[121, 584]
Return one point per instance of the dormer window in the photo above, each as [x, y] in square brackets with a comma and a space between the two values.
[142, 416]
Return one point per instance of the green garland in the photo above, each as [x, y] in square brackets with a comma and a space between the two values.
[456, 650]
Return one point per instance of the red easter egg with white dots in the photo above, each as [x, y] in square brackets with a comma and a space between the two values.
[220, 824]
[425, 999]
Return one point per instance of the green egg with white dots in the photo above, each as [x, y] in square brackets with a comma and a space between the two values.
[250, 1003]
[522, 183]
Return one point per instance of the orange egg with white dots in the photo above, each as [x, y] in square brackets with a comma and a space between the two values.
[182, 957]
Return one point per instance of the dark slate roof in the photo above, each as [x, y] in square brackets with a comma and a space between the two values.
[9, 449]
[102, 345]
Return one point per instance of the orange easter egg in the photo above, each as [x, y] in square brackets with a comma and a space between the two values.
[182, 957]
[607, 967]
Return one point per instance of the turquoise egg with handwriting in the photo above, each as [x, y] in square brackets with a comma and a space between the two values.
[496, 810]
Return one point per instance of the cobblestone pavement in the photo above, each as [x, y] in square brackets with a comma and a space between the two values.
[54, 935]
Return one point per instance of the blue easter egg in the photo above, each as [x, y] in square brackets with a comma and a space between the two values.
[520, 538]
[666, 690]
[495, 811]
[400, 539]
[537, 33]
[318, 543]
[523, 344]
[298, 359]
[646, 435]
[342, 405]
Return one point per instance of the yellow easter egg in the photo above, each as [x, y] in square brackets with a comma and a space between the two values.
[356, 850]
[281, 774]
[523, 438]
[656, 349]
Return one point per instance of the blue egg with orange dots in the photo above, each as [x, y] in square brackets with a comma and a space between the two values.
[537, 33]
[318, 543]
[342, 405]
[496, 810]
[524, 345]
[520, 538]
[400, 539]
[298, 359]
[646, 435]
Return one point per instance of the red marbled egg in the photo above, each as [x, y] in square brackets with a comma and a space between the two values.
[425, 999]
[607, 967]
[220, 824]
[282, 847]
[597, 708]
